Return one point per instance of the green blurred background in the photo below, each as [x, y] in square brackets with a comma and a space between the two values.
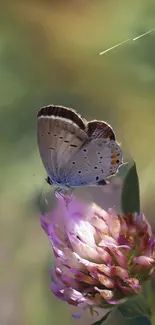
[49, 53]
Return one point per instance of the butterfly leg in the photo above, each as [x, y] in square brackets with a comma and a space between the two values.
[103, 182]
[66, 194]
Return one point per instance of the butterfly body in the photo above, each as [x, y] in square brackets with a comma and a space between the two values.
[76, 152]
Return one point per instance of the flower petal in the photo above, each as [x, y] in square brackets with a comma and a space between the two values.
[114, 224]
[84, 250]
[144, 260]
[106, 281]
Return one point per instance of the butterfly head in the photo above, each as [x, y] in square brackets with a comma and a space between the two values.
[57, 182]
[48, 180]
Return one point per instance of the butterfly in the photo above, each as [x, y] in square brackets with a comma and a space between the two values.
[75, 152]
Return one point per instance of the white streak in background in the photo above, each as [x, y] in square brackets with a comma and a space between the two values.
[129, 39]
[134, 39]
[113, 47]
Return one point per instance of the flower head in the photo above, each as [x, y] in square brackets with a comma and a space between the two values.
[101, 258]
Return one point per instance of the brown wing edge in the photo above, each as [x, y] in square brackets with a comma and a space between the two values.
[100, 129]
[64, 112]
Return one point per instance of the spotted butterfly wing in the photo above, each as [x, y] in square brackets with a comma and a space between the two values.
[75, 152]
[100, 129]
[94, 162]
[61, 133]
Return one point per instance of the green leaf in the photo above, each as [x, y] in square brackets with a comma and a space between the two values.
[99, 322]
[135, 307]
[130, 197]
[149, 291]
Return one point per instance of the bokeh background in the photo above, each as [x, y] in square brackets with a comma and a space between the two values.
[49, 53]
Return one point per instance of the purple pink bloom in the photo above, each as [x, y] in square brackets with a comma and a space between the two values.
[100, 258]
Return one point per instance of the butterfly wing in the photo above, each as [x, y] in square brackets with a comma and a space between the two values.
[100, 129]
[94, 162]
[61, 133]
